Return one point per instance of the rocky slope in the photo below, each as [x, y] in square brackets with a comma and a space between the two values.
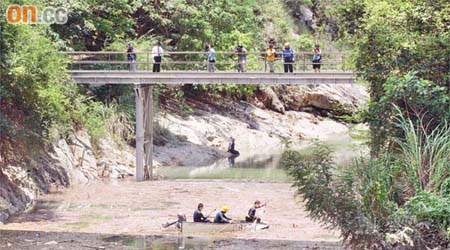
[261, 126]
[71, 161]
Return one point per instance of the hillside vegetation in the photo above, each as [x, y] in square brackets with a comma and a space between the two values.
[398, 198]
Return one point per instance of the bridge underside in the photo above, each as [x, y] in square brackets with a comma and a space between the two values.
[144, 81]
[174, 77]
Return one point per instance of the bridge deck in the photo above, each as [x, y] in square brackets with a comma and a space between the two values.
[180, 77]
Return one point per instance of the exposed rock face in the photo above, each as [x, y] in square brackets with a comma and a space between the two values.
[341, 99]
[115, 160]
[72, 161]
[258, 130]
[76, 158]
[270, 99]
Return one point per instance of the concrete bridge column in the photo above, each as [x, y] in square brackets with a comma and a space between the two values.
[144, 132]
[139, 135]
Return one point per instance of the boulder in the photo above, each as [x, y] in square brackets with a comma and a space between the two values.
[340, 99]
[75, 157]
[270, 99]
[115, 160]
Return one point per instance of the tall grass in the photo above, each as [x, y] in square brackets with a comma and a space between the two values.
[425, 155]
[399, 200]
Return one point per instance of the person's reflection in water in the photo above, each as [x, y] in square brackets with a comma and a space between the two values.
[181, 243]
[231, 160]
[233, 151]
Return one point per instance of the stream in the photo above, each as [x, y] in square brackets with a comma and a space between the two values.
[267, 167]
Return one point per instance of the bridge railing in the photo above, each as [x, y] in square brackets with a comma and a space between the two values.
[198, 61]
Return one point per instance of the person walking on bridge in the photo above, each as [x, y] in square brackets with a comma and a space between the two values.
[271, 56]
[211, 58]
[157, 53]
[288, 58]
[242, 58]
[131, 56]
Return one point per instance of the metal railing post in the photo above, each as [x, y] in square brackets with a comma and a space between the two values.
[148, 61]
[304, 62]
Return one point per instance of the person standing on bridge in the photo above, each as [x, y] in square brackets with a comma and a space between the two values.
[271, 56]
[288, 58]
[317, 57]
[157, 53]
[211, 58]
[131, 56]
[242, 58]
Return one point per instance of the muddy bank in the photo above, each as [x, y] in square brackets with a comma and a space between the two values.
[128, 207]
[39, 240]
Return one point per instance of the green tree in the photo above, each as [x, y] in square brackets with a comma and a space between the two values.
[392, 39]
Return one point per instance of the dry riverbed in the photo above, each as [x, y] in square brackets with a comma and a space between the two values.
[130, 208]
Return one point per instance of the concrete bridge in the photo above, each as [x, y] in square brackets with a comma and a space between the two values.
[101, 68]
[179, 77]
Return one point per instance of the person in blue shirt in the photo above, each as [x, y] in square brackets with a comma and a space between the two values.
[288, 58]
[211, 58]
[252, 217]
[317, 57]
[198, 215]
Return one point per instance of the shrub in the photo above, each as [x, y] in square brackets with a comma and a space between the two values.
[398, 200]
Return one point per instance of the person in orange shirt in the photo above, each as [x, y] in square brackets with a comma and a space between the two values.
[271, 55]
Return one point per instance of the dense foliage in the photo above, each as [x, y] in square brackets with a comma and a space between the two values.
[402, 48]
[397, 201]
[37, 101]
[33, 96]
[186, 25]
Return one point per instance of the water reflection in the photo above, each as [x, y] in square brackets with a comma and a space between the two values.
[259, 167]
[264, 167]
[150, 243]
[231, 160]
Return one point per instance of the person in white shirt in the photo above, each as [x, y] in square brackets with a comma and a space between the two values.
[157, 53]
[211, 58]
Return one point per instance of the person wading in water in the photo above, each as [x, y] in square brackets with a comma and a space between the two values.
[231, 147]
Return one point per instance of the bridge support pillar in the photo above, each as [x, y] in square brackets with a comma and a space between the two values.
[144, 132]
